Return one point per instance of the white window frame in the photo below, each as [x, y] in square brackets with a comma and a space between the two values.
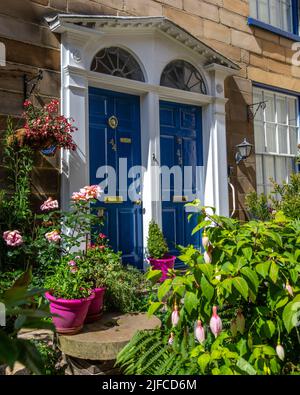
[265, 185]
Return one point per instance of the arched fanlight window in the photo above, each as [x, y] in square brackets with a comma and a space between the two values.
[118, 62]
[182, 75]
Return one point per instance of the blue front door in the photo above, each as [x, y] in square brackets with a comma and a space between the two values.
[115, 147]
[180, 146]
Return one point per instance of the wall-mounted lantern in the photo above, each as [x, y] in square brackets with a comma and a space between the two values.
[243, 151]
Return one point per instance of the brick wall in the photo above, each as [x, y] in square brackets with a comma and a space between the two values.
[222, 24]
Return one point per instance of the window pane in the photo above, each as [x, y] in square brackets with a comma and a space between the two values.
[257, 98]
[274, 13]
[259, 136]
[263, 11]
[292, 103]
[252, 6]
[270, 107]
[283, 139]
[269, 171]
[281, 109]
[291, 166]
[293, 140]
[259, 170]
[286, 11]
[271, 137]
[281, 171]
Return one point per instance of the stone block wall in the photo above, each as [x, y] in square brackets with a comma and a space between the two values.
[222, 24]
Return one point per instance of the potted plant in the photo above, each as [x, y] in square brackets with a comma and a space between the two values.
[70, 295]
[158, 251]
[45, 129]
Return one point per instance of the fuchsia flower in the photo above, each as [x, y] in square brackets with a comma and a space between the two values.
[53, 237]
[49, 204]
[74, 269]
[215, 322]
[175, 315]
[72, 263]
[13, 238]
[289, 289]
[199, 332]
[171, 339]
[280, 351]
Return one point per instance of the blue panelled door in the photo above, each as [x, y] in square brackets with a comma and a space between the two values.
[180, 145]
[123, 217]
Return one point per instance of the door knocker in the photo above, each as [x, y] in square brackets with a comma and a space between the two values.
[113, 122]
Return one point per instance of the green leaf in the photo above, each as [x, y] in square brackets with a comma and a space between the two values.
[207, 289]
[8, 350]
[190, 302]
[207, 269]
[268, 350]
[203, 361]
[29, 356]
[227, 284]
[273, 272]
[251, 276]
[154, 307]
[154, 275]
[268, 329]
[290, 314]
[247, 252]
[263, 269]
[275, 237]
[245, 367]
[241, 286]
[164, 288]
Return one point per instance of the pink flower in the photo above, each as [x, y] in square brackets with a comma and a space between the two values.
[79, 196]
[102, 236]
[74, 269]
[199, 332]
[53, 237]
[87, 193]
[13, 238]
[49, 204]
[175, 315]
[215, 322]
[72, 263]
[171, 339]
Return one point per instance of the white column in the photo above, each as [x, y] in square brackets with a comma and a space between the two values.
[150, 145]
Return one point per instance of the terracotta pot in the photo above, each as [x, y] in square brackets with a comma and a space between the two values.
[70, 313]
[163, 264]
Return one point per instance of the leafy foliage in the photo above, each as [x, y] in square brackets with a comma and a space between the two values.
[156, 244]
[254, 280]
[258, 206]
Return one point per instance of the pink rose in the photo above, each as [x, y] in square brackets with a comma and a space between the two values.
[53, 237]
[49, 204]
[13, 238]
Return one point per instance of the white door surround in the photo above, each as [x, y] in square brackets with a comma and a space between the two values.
[154, 42]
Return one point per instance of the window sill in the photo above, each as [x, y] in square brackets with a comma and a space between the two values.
[273, 29]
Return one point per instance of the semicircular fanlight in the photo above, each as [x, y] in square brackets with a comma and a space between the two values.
[118, 62]
[182, 75]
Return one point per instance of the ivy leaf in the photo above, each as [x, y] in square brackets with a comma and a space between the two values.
[154, 307]
[263, 269]
[207, 289]
[164, 288]
[203, 361]
[245, 367]
[190, 301]
[273, 272]
[251, 276]
[291, 313]
[241, 286]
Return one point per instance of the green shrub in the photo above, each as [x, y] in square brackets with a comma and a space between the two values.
[254, 281]
[258, 207]
[288, 200]
[156, 244]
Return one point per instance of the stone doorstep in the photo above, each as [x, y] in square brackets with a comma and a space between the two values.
[104, 339]
[36, 334]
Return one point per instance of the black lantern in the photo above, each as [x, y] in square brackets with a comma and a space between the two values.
[243, 151]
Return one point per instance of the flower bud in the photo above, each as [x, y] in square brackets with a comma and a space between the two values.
[171, 339]
[233, 327]
[215, 322]
[207, 257]
[280, 351]
[240, 322]
[205, 240]
[199, 332]
[289, 289]
[175, 315]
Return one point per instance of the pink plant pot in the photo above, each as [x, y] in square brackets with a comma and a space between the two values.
[163, 264]
[95, 310]
[70, 313]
